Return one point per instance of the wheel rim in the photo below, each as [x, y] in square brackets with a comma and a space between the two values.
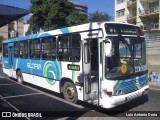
[70, 93]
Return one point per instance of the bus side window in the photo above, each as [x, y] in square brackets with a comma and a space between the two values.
[35, 48]
[5, 50]
[23, 49]
[16, 50]
[69, 47]
[48, 45]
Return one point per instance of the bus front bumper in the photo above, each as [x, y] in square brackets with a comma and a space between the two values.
[113, 101]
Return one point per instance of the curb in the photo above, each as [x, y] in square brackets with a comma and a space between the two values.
[154, 84]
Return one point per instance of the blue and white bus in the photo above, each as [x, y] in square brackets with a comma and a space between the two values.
[103, 63]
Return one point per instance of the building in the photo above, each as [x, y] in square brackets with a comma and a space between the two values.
[11, 22]
[12, 29]
[146, 14]
[82, 8]
[25, 28]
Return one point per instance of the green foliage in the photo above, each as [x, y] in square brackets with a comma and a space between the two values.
[53, 14]
[76, 18]
[99, 16]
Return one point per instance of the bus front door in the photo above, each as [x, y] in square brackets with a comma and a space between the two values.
[10, 58]
[91, 70]
[86, 69]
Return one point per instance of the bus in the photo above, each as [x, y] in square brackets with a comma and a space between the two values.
[102, 63]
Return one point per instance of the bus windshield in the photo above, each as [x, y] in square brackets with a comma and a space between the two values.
[128, 56]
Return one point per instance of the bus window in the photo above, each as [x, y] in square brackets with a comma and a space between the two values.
[24, 49]
[5, 50]
[87, 53]
[16, 50]
[48, 48]
[35, 48]
[69, 47]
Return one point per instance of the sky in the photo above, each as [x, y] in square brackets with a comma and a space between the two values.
[93, 5]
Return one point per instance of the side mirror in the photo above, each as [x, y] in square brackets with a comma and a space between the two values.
[108, 47]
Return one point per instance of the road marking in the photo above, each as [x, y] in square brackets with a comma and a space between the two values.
[13, 106]
[154, 88]
[49, 95]
[21, 95]
[8, 84]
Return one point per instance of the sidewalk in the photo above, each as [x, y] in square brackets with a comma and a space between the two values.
[154, 84]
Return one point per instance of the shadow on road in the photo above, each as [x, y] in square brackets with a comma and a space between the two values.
[121, 109]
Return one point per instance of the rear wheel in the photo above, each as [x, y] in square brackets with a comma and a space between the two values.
[70, 92]
[19, 77]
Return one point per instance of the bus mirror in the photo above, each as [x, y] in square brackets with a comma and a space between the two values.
[108, 48]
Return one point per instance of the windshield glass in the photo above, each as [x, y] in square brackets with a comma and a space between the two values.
[128, 56]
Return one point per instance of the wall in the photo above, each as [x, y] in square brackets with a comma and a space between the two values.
[153, 50]
[4, 31]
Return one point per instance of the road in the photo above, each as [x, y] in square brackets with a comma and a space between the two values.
[19, 98]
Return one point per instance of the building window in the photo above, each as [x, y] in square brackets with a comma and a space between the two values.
[69, 47]
[16, 49]
[48, 48]
[120, 1]
[23, 49]
[35, 48]
[154, 6]
[120, 13]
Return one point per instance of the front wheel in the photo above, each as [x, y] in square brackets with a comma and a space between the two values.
[19, 77]
[70, 92]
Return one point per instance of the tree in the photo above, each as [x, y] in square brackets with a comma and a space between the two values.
[53, 14]
[99, 16]
[76, 18]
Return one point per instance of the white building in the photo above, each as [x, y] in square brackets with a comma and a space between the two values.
[146, 14]
[12, 29]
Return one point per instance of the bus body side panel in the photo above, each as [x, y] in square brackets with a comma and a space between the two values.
[46, 74]
[54, 71]
[51, 72]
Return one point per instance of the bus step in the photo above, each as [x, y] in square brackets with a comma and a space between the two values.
[94, 102]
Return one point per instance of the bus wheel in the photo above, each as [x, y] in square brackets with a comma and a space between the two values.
[70, 92]
[19, 77]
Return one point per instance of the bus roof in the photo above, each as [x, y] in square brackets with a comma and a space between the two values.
[66, 30]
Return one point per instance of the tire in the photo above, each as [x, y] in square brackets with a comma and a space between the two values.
[70, 92]
[19, 77]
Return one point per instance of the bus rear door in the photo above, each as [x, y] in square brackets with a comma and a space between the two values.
[10, 58]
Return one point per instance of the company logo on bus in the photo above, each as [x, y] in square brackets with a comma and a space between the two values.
[52, 72]
[34, 66]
